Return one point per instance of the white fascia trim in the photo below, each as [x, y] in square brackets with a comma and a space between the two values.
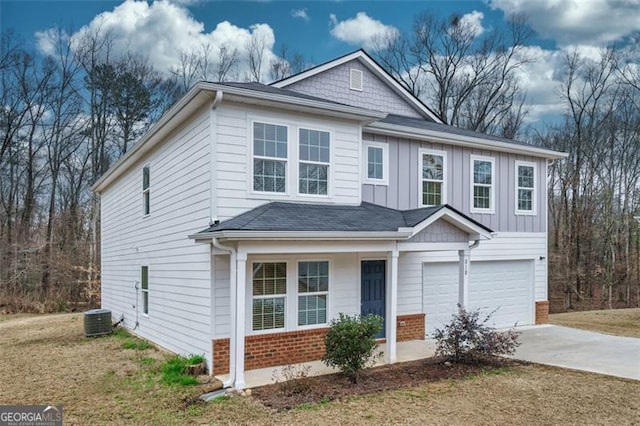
[371, 65]
[296, 235]
[460, 222]
[459, 140]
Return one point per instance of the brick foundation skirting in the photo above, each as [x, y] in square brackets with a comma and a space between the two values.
[410, 327]
[221, 356]
[542, 312]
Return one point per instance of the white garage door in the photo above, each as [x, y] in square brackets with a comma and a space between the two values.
[503, 285]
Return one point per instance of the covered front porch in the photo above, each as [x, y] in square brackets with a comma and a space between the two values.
[284, 285]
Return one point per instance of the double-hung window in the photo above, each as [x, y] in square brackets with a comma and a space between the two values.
[483, 184]
[269, 157]
[313, 289]
[269, 290]
[144, 288]
[525, 187]
[146, 191]
[433, 169]
[314, 155]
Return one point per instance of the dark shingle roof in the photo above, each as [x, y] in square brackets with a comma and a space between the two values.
[281, 216]
[419, 123]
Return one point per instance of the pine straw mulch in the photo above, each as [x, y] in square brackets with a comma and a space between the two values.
[320, 389]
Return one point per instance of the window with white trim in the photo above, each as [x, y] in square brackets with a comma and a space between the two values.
[313, 290]
[376, 163]
[314, 154]
[525, 187]
[483, 184]
[433, 166]
[269, 290]
[146, 191]
[269, 157]
[144, 289]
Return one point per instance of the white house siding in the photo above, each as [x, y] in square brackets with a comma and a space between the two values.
[179, 270]
[334, 84]
[505, 246]
[234, 158]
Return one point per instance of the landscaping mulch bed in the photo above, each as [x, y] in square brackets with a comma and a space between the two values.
[320, 389]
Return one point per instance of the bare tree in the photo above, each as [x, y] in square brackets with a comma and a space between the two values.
[255, 51]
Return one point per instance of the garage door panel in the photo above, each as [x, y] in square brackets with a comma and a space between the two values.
[503, 286]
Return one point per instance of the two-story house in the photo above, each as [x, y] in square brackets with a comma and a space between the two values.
[249, 216]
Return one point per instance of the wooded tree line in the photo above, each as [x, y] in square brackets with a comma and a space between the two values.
[67, 116]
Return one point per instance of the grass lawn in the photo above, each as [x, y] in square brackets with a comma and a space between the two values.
[619, 322]
[47, 360]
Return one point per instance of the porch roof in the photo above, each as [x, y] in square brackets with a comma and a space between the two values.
[327, 220]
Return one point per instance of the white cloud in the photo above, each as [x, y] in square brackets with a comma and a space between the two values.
[300, 14]
[160, 31]
[583, 22]
[472, 22]
[361, 30]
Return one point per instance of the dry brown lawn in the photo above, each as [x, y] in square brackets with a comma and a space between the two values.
[46, 360]
[619, 322]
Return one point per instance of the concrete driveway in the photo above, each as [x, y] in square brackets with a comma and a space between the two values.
[580, 350]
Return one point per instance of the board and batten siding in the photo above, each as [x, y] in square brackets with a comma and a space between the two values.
[179, 269]
[334, 84]
[504, 246]
[404, 183]
[234, 162]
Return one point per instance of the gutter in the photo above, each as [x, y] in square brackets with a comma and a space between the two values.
[461, 140]
[233, 341]
[297, 235]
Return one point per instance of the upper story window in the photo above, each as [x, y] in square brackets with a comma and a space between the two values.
[313, 290]
[433, 166]
[269, 290]
[376, 163]
[525, 187]
[146, 191]
[314, 156]
[483, 184]
[269, 158]
[144, 280]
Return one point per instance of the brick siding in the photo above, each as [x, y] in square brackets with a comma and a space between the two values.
[413, 328]
[221, 356]
[542, 312]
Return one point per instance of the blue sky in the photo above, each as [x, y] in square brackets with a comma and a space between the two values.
[322, 30]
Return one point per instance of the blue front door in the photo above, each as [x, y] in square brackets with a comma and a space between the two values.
[373, 274]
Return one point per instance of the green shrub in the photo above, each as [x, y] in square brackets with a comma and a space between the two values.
[351, 342]
[467, 338]
[173, 372]
[195, 359]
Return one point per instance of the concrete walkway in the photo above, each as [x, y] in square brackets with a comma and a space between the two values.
[580, 350]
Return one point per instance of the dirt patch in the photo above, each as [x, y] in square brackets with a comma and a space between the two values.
[618, 322]
[321, 389]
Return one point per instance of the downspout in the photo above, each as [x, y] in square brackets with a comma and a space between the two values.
[475, 244]
[233, 344]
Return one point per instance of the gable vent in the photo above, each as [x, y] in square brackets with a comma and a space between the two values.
[356, 79]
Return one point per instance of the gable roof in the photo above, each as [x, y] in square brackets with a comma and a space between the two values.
[342, 221]
[375, 68]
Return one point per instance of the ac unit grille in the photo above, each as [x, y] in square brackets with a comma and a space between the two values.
[97, 322]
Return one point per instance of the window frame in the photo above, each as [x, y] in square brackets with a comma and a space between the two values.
[492, 186]
[312, 293]
[146, 191]
[533, 189]
[385, 163]
[299, 162]
[421, 153]
[253, 297]
[144, 292]
[254, 156]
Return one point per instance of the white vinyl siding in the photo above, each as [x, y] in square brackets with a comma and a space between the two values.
[525, 188]
[433, 177]
[179, 303]
[483, 181]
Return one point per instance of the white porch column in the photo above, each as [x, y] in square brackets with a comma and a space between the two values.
[463, 283]
[392, 307]
[241, 291]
